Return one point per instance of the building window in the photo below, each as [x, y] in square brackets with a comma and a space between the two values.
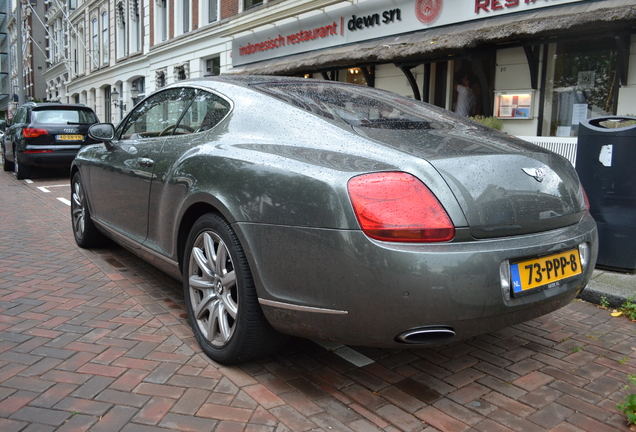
[140, 86]
[80, 52]
[251, 3]
[105, 38]
[54, 54]
[107, 102]
[213, 66]
[135, 36]
[95, 42]
[122, 43]
[582, 85]
[213, 10]
[186, 15]
[72, 4]
[161, 20]
[182, 16]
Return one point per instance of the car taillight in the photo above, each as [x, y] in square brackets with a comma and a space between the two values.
[34, 132]
[587, 202]
[395, 206]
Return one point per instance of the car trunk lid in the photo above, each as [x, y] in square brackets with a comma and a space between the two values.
[504, 186]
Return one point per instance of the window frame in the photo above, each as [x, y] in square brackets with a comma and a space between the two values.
[105, 41]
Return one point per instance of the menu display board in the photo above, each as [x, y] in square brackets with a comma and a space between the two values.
[516, 106]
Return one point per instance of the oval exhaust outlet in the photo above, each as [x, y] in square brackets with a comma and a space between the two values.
[426, 335]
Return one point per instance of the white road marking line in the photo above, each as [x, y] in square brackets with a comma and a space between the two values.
[345, 352]
[28, 181]
[45, 189]
[65, 201]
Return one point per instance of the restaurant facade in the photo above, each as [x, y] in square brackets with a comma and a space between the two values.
[540, 66]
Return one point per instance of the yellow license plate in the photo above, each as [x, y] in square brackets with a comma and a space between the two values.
[70, 137]
[546, 270]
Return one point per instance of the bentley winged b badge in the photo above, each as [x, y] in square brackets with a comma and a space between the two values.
[537, 173]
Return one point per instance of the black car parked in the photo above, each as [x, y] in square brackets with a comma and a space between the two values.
[45, 135]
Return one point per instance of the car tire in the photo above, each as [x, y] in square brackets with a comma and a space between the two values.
[221, 298]
[22, 171]
[6, 165]
[84, 230]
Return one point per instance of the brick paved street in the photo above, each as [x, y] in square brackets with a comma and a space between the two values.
[98, 340]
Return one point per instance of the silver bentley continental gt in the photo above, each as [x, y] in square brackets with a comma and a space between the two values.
[330, 211]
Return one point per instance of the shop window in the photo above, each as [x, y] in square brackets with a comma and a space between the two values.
[582, 81]
[355, 76]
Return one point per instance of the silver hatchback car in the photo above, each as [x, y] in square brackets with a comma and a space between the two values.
[331, 211]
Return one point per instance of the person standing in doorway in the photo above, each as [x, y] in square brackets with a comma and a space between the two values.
[465, 97]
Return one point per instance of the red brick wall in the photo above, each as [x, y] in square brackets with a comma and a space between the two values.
[195, 14]
[229, 8]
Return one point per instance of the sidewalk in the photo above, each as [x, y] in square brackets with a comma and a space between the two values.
[610, 288]
[97, 340]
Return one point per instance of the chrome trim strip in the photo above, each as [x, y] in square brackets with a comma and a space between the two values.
[300, 308]
[54, 147]
[134, 244]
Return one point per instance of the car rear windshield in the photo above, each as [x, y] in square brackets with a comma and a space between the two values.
[63, 116]
[358, 106]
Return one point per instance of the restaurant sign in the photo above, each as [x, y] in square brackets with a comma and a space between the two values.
[368, 20]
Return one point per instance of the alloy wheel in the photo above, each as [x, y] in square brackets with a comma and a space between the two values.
[213, 288]
[77, 209]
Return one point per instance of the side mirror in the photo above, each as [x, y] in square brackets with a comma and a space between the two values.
[104, 132]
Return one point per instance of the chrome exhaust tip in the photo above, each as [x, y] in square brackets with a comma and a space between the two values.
[426, 335]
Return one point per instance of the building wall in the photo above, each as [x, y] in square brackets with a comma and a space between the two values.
[205, 41]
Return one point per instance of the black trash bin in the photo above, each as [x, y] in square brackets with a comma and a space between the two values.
[606, 165]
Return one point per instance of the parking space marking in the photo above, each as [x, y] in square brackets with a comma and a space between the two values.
[45, 189]
[65, 201]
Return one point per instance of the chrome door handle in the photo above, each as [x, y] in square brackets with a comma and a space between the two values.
[145, 162]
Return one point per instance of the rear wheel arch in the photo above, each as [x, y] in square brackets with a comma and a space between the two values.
[188, 219]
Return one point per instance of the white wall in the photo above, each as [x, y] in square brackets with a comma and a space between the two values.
[512, 74]
[389, 77]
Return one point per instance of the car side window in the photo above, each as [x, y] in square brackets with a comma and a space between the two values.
[158, 115]
[20, 116]
[206, 111]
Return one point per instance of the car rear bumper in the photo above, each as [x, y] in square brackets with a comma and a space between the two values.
[49, 157]
[340, 285]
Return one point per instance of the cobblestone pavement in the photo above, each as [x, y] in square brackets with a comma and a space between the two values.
[98, 340]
